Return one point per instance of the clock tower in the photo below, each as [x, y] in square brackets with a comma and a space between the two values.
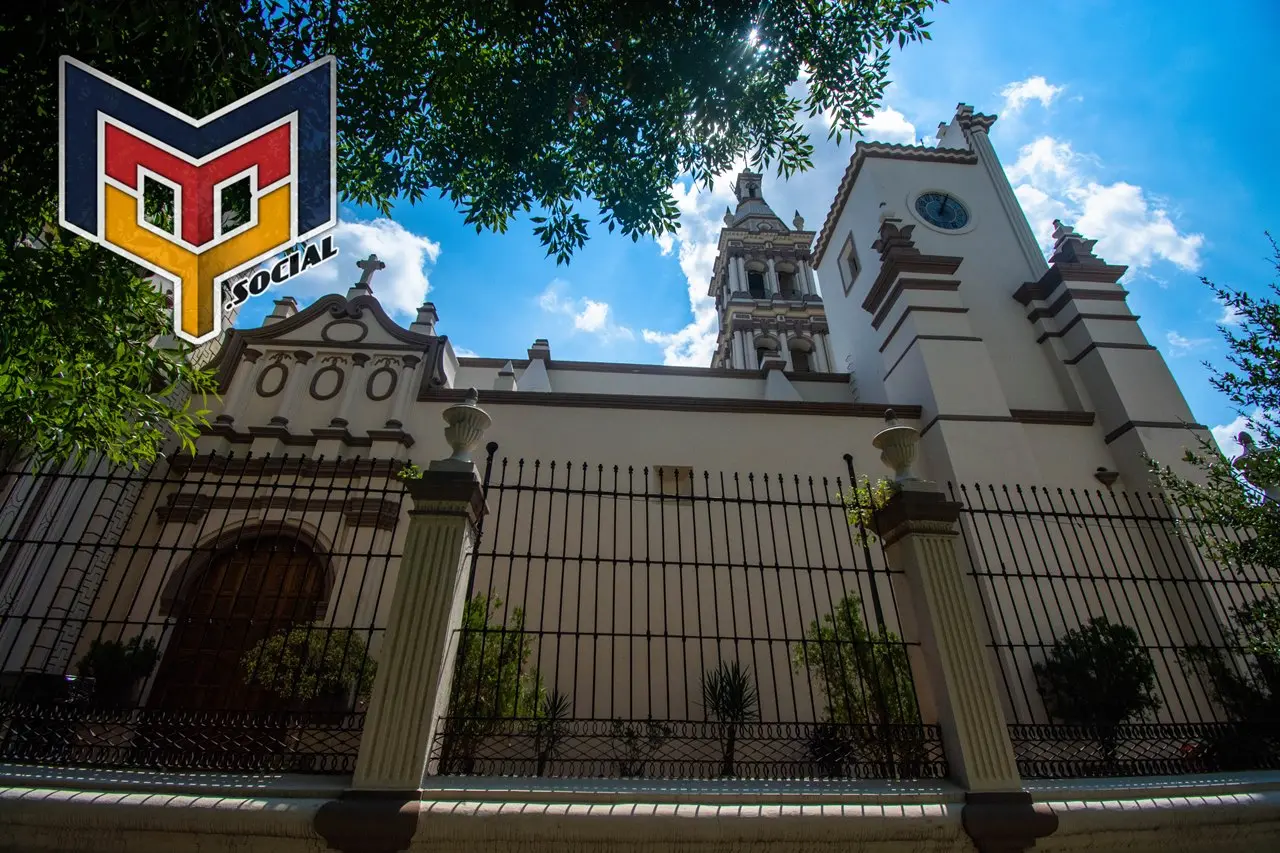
[771, 316]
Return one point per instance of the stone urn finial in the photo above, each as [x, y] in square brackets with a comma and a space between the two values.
[897, 444]
[466, 425]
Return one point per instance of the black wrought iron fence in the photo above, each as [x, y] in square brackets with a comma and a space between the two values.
[671, 623]
[1123, 647]
[213, 613]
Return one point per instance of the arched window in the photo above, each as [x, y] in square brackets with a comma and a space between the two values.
[755, 283]
[765, 348]
[787, 284]
[801, 356]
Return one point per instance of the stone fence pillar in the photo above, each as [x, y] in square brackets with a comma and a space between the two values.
[379, 814]
[919, 527]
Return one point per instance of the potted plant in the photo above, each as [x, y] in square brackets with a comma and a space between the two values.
[550, 727]
[1100, 676]
[490, 686]
[117, 669]
[865, 679]
[312, 664]
[635, 743]
[1245, 683]
[730, 698]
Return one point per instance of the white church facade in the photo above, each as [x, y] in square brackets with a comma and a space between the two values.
[924, 291]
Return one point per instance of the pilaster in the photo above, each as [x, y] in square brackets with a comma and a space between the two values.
[931, 353]
[919, 528]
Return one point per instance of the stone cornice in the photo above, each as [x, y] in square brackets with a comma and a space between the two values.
[687, 404]
[896, 264]
[886, 151]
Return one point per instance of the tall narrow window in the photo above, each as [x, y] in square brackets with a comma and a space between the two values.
[787, 284]
[755, 284]
[849, 266]
[800, 362]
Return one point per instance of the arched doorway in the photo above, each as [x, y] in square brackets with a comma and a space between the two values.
[243, 595]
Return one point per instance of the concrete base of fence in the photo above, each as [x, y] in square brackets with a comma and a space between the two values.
[105, 812]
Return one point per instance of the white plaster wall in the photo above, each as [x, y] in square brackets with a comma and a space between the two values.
[992, 270]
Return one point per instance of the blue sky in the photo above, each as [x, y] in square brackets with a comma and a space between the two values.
[1149, 125]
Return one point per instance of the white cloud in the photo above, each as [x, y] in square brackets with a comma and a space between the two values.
[1225, 435]
[1229, 316]
[401, 287]
[1018, 95]
[1180, 345]
[589, 315]
[1052, 180]
[463, 352]
[889, 125]
[701, 213]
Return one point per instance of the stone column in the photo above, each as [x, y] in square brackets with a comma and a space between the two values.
[741, 263]
[731, 277]
[292, 390]
[355, 385]
[821, 363]
[771, 281]
[405, 392]
[919, 528]
[241, 382]
[415, 667]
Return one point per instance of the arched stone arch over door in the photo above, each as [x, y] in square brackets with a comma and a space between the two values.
[243, 594]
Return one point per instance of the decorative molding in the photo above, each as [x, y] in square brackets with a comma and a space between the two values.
[1130, 425]
[1071, 295]
[190, 508]
[909, 310]
[362, 331]
[337, 386]
[912, 343]
[645, 369]
[911, 284]
[278, 466]
[994, 419]
[1096, 345]
[1053, 417]
[864, 150]
[684, 404]
[1071, 324]
[260, 385]
[369, 821]
[895, 265]
[391, 386]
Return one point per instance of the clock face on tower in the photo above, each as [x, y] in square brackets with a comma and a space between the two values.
[942, 211]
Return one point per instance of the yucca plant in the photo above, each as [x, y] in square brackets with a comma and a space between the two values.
[553, 715]
[730, 698]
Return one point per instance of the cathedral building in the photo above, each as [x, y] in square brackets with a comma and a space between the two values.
[660, 538]
[924, 291]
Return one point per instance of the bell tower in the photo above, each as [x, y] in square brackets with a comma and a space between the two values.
[771, 315]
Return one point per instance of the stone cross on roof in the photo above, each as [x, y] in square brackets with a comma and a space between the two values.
[369, 265]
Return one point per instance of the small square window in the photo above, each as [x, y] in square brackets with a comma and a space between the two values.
[673, 480]
[849, 266]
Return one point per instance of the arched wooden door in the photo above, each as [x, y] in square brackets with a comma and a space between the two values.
[244, 595]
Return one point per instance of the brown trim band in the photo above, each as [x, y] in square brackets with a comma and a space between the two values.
[191, 507]
[677, 404]
[644, 369]
[275, 466]
[1071, 324]
[927, 309]
[994, 419]
[1104, 345]
[910, 284]
[896, 264]
[1130, 425]
[926, 338]
[1053, 417]
[1072, 295]
[225, 430]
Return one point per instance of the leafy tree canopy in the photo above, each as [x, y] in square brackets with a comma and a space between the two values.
[1240, 526]
[505, 107]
